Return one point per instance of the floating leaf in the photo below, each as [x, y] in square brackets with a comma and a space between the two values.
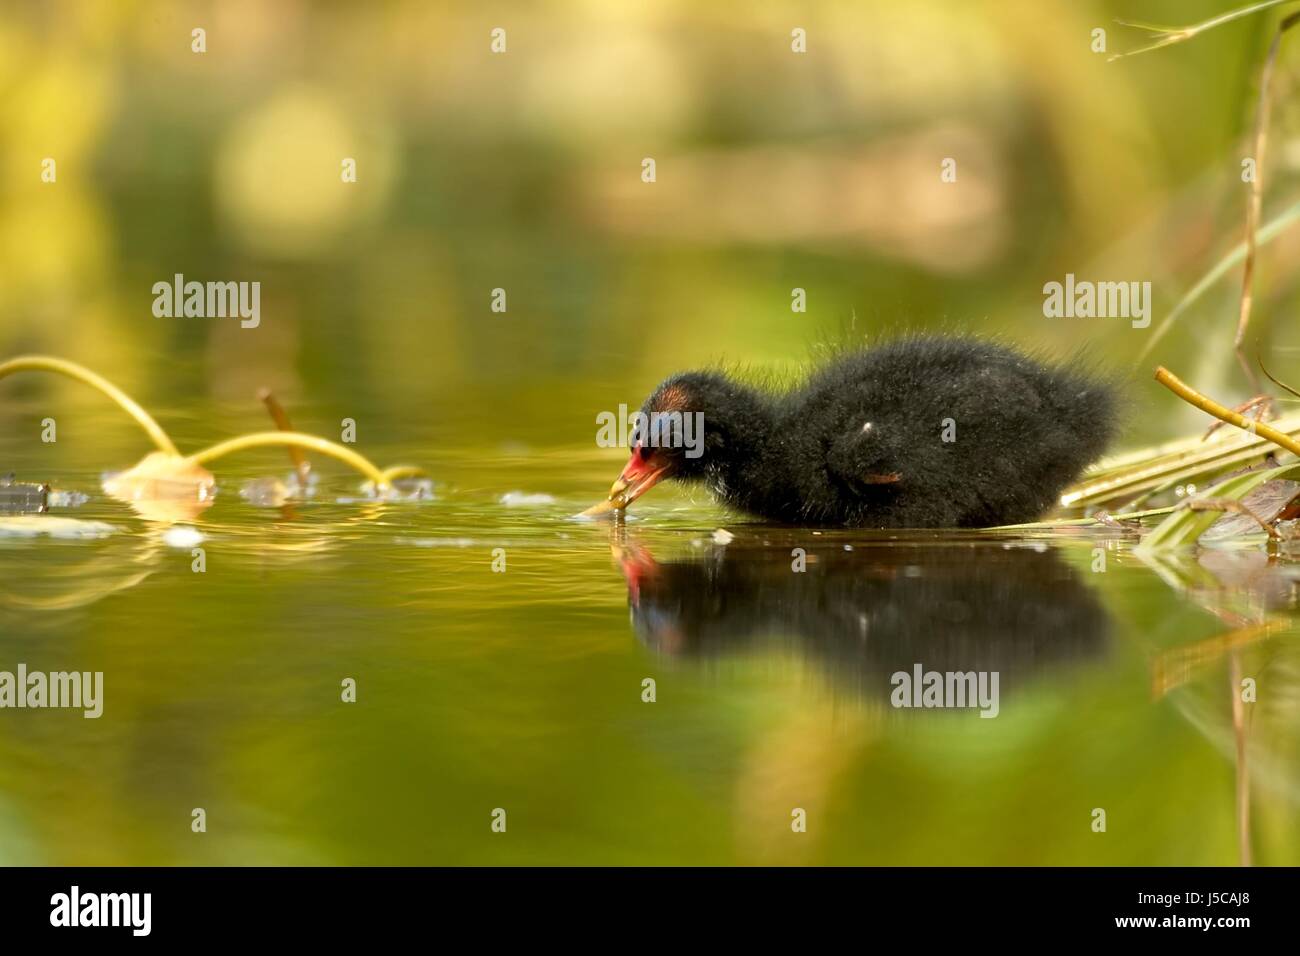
[164, 487]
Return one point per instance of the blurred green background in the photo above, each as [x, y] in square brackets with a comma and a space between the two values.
[522, 171]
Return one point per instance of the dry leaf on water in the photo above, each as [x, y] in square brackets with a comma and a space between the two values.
[164, 487]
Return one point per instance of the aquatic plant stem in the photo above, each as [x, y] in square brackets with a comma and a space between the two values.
[1170, 35]
[1269, 375]
[1190, 395]
[1080, 522]
[1263, 236]
[292, 439]
[46, 363]
[403, 471]
[281, 418]
[1255, 199]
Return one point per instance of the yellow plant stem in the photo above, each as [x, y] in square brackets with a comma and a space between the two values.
[46, 363]
[1190, 395]
[402, 471]
[292, 439]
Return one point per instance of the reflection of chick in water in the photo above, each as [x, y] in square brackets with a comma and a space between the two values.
[868, 613]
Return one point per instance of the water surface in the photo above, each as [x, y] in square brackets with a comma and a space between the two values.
[522, 689]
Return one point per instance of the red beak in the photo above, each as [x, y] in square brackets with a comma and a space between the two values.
[642, 473]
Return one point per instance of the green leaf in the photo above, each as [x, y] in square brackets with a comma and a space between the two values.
[1184, 526]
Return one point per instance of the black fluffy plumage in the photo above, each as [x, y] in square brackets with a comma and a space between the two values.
[919, 432]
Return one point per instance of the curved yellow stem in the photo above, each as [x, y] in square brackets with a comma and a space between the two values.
[46, 363]
[403, 471]
[297, 439]
[1190, 395]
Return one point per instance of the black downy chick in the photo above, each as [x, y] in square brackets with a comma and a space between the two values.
[920, 432]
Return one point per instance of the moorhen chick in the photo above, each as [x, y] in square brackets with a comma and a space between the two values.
[921, 432]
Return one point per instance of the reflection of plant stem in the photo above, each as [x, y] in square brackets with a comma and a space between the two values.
[92, 581]
[1175, 667]
[1190, 395]
[1243, 774]
[45, 363]
[286, 439]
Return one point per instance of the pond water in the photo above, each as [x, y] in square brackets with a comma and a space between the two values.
[458, 252]
[522, 688]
